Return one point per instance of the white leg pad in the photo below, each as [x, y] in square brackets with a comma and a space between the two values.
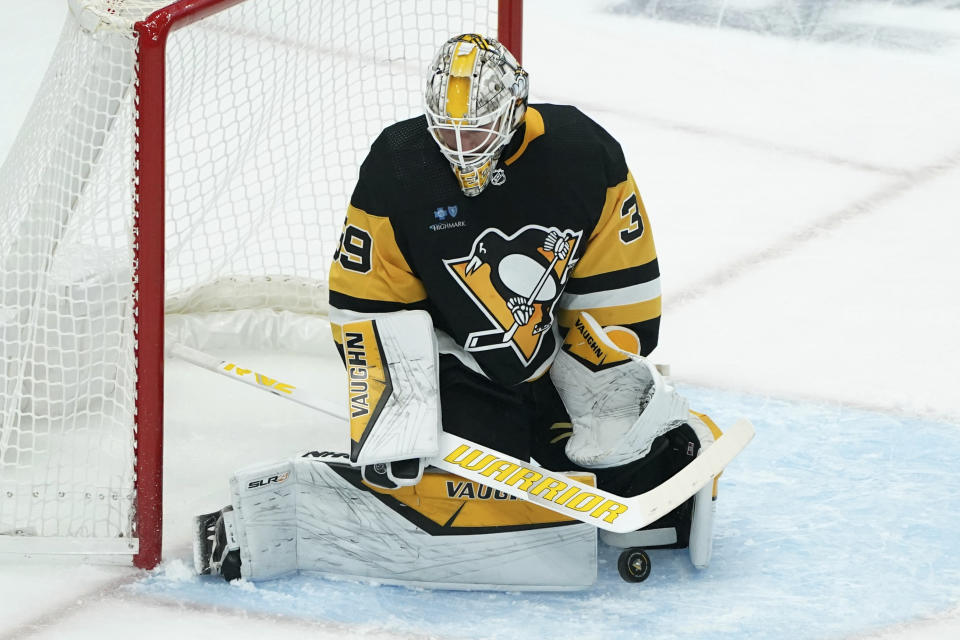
[311, 518]
[265, 503]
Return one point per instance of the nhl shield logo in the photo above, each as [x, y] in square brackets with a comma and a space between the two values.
[516, 281]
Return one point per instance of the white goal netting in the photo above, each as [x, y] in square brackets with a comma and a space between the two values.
[271, 106]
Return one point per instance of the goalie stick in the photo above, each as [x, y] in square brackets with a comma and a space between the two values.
[524, 480]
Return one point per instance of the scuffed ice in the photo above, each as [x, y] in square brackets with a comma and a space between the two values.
[833, 521]
[898, 24]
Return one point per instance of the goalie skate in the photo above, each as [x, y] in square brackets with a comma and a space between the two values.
[215, 550]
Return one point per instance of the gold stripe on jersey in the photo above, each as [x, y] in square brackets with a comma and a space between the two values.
[534, 129]
[388, 278]
[615, 285]
[621, 315]
[618, 241]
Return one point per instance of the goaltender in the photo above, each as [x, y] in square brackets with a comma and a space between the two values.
[516, 234]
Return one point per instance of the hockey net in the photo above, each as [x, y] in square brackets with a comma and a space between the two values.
[119, 203]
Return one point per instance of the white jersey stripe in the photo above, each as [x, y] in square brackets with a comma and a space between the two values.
[612, 297]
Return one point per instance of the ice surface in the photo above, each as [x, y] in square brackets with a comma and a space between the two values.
[826, 521]
[895, 24]
[802, 190]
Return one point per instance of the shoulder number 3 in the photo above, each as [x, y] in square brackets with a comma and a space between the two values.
[631, 210]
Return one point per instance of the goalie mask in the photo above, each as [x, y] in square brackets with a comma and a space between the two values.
[475, 100]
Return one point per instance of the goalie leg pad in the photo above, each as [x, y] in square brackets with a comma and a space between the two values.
[444, 532]
[265, 503]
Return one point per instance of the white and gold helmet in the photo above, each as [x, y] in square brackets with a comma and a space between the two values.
[475, 100]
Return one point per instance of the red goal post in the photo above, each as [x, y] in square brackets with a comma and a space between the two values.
[161, 139]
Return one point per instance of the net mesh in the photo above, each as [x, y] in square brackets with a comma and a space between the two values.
[271, 107]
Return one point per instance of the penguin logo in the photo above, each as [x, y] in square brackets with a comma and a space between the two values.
[516, 281]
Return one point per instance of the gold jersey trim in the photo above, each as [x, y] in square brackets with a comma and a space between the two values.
[534, 129]
[620, 315]
[622, 237]
[387, 277]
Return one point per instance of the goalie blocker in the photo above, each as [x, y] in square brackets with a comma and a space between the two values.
[393, 395]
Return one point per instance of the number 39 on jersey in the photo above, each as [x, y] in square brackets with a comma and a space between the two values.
[355, 249]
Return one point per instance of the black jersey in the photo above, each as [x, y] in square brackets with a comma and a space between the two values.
[560, 229]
